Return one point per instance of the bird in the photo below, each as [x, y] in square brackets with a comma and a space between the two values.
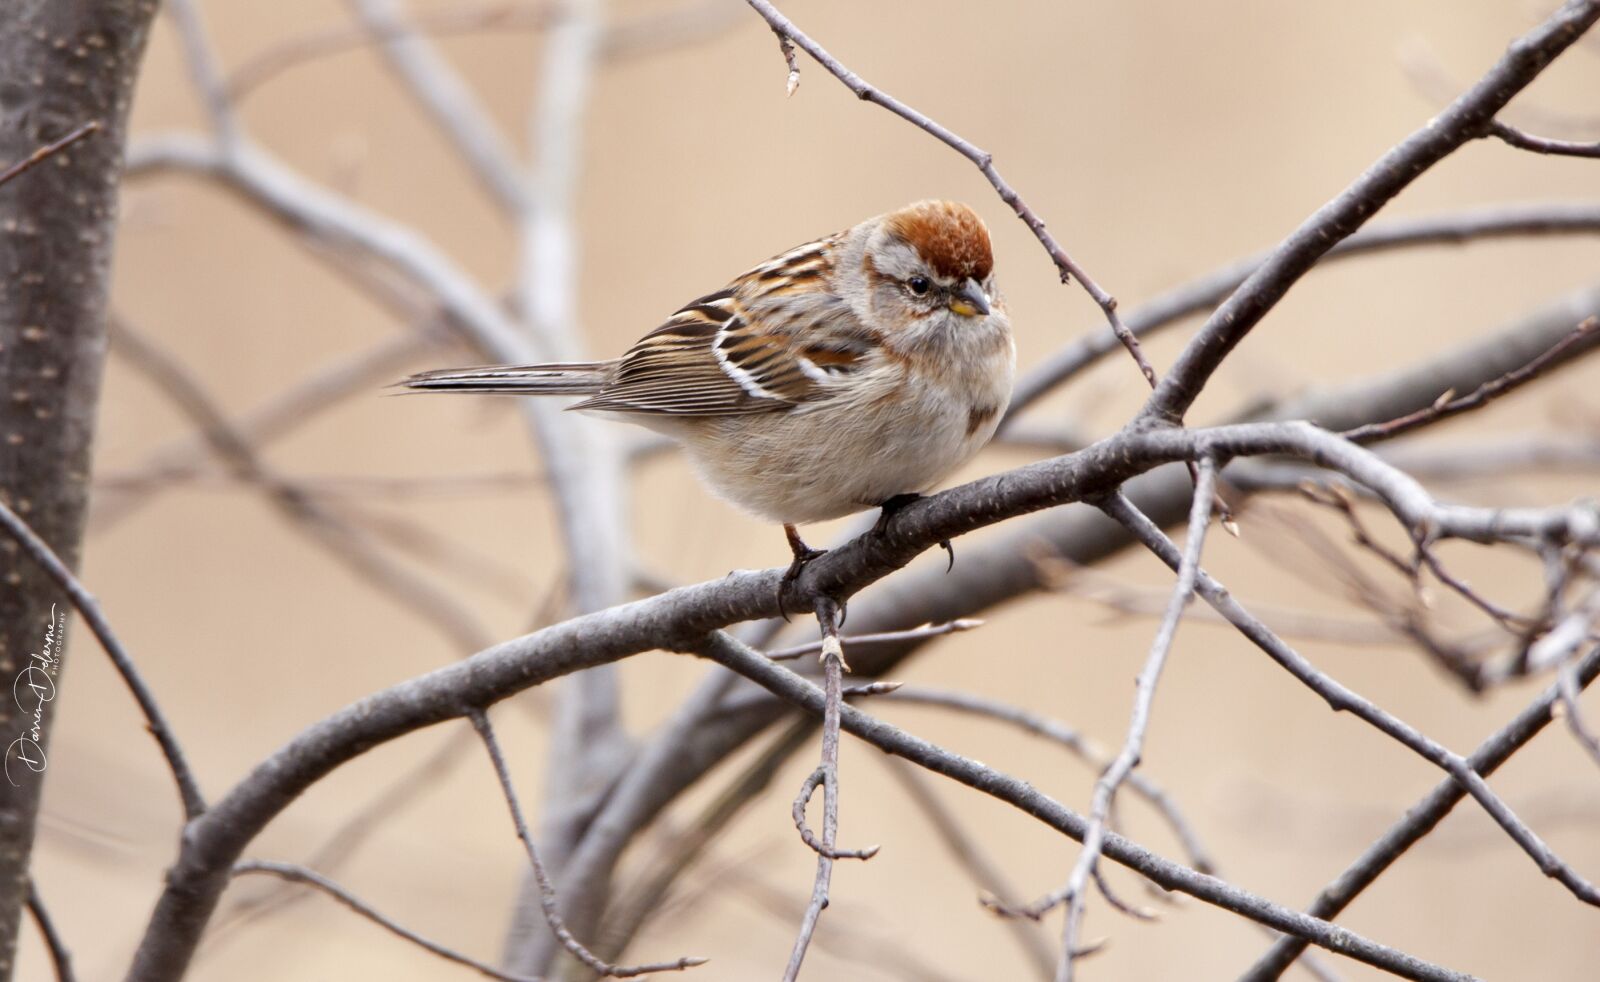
[855, 371]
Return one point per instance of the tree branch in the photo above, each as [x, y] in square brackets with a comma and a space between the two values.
[1512, 136]
[982, 159]
[311, 878]
[62, 65]
[792, 688]
[1105, 789]
[1419, 820]
[547, 889]
[60, 957]
[1199, 295]
[1463, 121]
[89, 609]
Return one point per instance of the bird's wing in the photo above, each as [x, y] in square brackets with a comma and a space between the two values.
[709, 359]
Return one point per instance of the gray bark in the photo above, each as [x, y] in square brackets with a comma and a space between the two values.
[62, 63]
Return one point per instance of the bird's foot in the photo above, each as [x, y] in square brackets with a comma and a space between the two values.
[889, 509]
[893, 507]
[803, 554]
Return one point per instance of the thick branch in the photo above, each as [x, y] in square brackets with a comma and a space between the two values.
[62, 65]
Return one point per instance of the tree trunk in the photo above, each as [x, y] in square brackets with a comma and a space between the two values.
[63, 63]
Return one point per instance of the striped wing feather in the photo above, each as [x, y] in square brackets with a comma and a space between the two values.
[706, 360]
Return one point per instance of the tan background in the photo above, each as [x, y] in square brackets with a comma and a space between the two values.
[1158, 139]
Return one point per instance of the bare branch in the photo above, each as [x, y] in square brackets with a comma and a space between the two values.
[342, 844]
[547, 890]
[1340, 698]
[1197, 296]
[45, 152]
[826, 774]
[205, 72]
[1075, 742]
[795, 689]
[1391, 174]
[981, 159]
[311, 878]
[1139, 721]
[983, 870]
[60, 957]
[1446, 406]
[1538, 144]
[86, 605]
[681, 618]
[442, 93]
[856, 641]
[808, 787]
[1421, 819]
[340, 539]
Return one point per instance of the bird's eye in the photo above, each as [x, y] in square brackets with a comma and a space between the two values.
[919, 285]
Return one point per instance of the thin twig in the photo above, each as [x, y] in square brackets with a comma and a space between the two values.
[1338, 697]
[808, 787]
[633, 907]
[309, 877]
[340, 846]
[827, 773]
[1419, 820]
[1077, 744]
[1408, 160]
[1538, 144]
[857, 641]
[1567, 682]
[60, 957]
[547, 890]
[1447, 406]
[300, 403]
[1105, 789]
[791, 687]
[981, 159]
[342, 540]
[41, 553]
[34, 159]
[983, 870]
[1205, 292]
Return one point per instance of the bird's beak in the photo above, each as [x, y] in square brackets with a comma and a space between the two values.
[969, 300]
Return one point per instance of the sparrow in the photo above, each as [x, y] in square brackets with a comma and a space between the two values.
[855, 371]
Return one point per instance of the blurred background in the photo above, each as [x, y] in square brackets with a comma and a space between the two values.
[1158, 139]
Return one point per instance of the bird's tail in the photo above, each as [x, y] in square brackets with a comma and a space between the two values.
[570, 378]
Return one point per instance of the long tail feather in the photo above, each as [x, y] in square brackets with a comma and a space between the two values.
[574, 378]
